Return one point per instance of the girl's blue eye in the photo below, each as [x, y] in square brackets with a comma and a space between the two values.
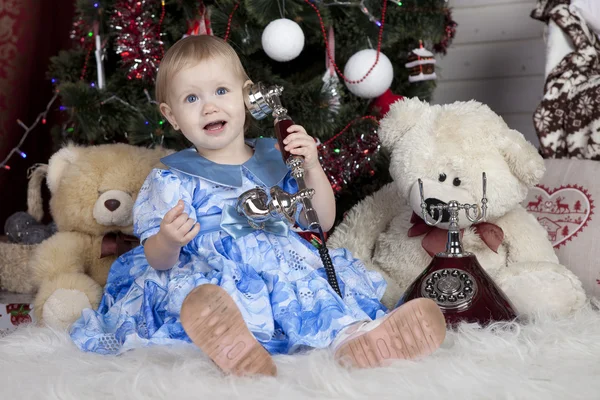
[191, 98]
[221, 91]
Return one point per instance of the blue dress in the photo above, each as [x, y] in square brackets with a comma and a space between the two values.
[275, 276]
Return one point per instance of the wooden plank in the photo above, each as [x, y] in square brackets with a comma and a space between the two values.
[523, 122]
[479, 3]
[485, 60]
[496, 23]
[505, 95]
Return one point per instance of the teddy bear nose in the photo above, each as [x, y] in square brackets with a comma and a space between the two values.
[112, 204]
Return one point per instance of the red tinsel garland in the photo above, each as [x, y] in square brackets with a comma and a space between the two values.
[450, 32]
[138, 42]
[81, 31]
[351, 157]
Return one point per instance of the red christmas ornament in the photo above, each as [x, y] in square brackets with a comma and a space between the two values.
[381, 105]
[138, 23]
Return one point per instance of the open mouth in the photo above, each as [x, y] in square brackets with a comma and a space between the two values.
[214, 127]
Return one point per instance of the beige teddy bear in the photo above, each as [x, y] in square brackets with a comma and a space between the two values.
[449, 147]
[93, 190]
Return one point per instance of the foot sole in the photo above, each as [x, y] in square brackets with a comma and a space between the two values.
[214, 323]
[414, 330]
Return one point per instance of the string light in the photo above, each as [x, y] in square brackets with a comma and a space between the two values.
[40, 118]
[363, 8]
[149, 98]
[366, 11]
[126, 104]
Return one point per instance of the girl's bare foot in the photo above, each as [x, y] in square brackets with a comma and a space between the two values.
[411, 331]
[214, 323]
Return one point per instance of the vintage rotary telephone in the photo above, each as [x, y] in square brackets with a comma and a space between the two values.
[454, 279]
[258, 206]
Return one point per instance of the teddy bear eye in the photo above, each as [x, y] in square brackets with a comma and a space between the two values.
[456, 182]
[442, 177]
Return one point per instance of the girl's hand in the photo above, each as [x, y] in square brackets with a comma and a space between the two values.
[301, 144]
[176, 228]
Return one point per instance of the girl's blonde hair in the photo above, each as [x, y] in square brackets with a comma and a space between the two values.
[189, 51]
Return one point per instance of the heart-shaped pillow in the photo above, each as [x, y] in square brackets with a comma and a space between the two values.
[564, 211]
[564, 204]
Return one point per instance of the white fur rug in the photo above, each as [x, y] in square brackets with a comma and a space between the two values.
[545, 359]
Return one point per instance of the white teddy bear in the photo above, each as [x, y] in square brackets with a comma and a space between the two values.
[449, 147]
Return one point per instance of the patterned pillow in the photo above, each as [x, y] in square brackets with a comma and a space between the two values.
[564, 203]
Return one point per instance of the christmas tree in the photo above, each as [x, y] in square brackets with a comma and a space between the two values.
[340, 63]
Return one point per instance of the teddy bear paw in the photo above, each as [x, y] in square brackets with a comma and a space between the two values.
[64, 307]
[544, 292]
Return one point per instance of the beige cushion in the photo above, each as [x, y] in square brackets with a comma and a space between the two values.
[564, 203]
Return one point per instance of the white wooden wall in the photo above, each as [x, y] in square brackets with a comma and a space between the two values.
[497, 58]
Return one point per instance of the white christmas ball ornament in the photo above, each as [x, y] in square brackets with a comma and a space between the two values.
[377, 82]
[283, 40]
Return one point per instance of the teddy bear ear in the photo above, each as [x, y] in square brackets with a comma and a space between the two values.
[522, 158]
[403, 116]
[58, 163]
